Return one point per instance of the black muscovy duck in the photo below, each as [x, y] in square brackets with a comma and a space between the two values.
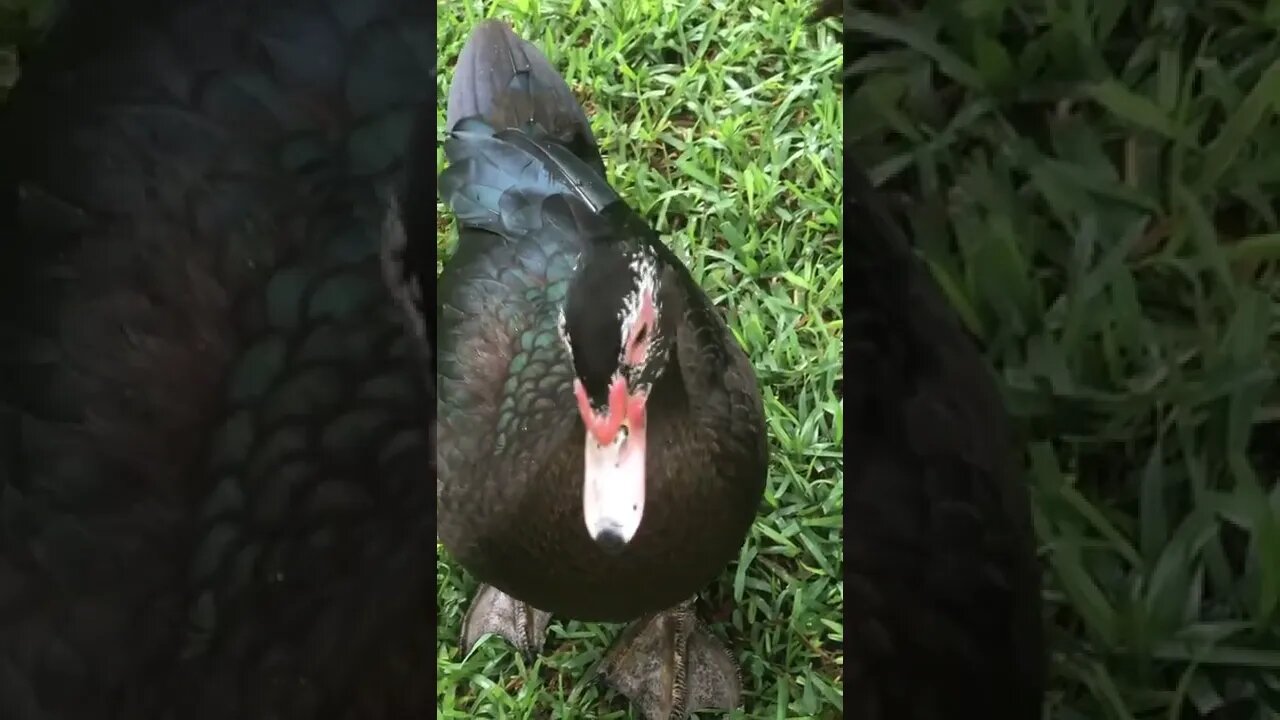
[214, 443]
[602, 449]
[942, 581]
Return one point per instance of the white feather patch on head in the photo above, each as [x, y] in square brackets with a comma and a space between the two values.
[562, 325]
[645, 268]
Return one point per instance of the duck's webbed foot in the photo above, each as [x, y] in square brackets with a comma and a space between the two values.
[493, 611]
[669, 665]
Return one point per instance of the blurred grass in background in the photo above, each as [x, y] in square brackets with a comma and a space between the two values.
[1095, 185]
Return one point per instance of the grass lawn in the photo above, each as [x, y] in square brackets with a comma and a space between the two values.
[721, 122]
[1095, 183]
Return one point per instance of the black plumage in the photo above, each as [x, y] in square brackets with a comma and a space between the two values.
[942, 583]
[213, 424]
[558, 285]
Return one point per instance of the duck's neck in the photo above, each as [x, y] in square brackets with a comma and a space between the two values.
[669, 397]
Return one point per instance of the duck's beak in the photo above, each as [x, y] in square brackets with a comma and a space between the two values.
[613, 479]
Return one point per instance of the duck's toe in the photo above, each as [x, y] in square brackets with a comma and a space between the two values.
[493, 611]
[670, 664]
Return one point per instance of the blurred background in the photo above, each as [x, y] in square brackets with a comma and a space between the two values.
[1094, 183]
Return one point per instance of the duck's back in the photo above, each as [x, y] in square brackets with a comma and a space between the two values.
[212, 421]
[503, 368]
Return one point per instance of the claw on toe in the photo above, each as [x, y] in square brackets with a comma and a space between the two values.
[669, 665]
[493, 611]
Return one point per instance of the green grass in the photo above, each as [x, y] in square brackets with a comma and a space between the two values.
[1095, 184]
[722, 123]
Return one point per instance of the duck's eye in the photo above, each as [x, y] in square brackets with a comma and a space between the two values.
[641, 335]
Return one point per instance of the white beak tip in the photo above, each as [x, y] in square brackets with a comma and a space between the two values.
[613, 490]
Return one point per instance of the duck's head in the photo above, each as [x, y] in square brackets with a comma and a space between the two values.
[619, 342]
